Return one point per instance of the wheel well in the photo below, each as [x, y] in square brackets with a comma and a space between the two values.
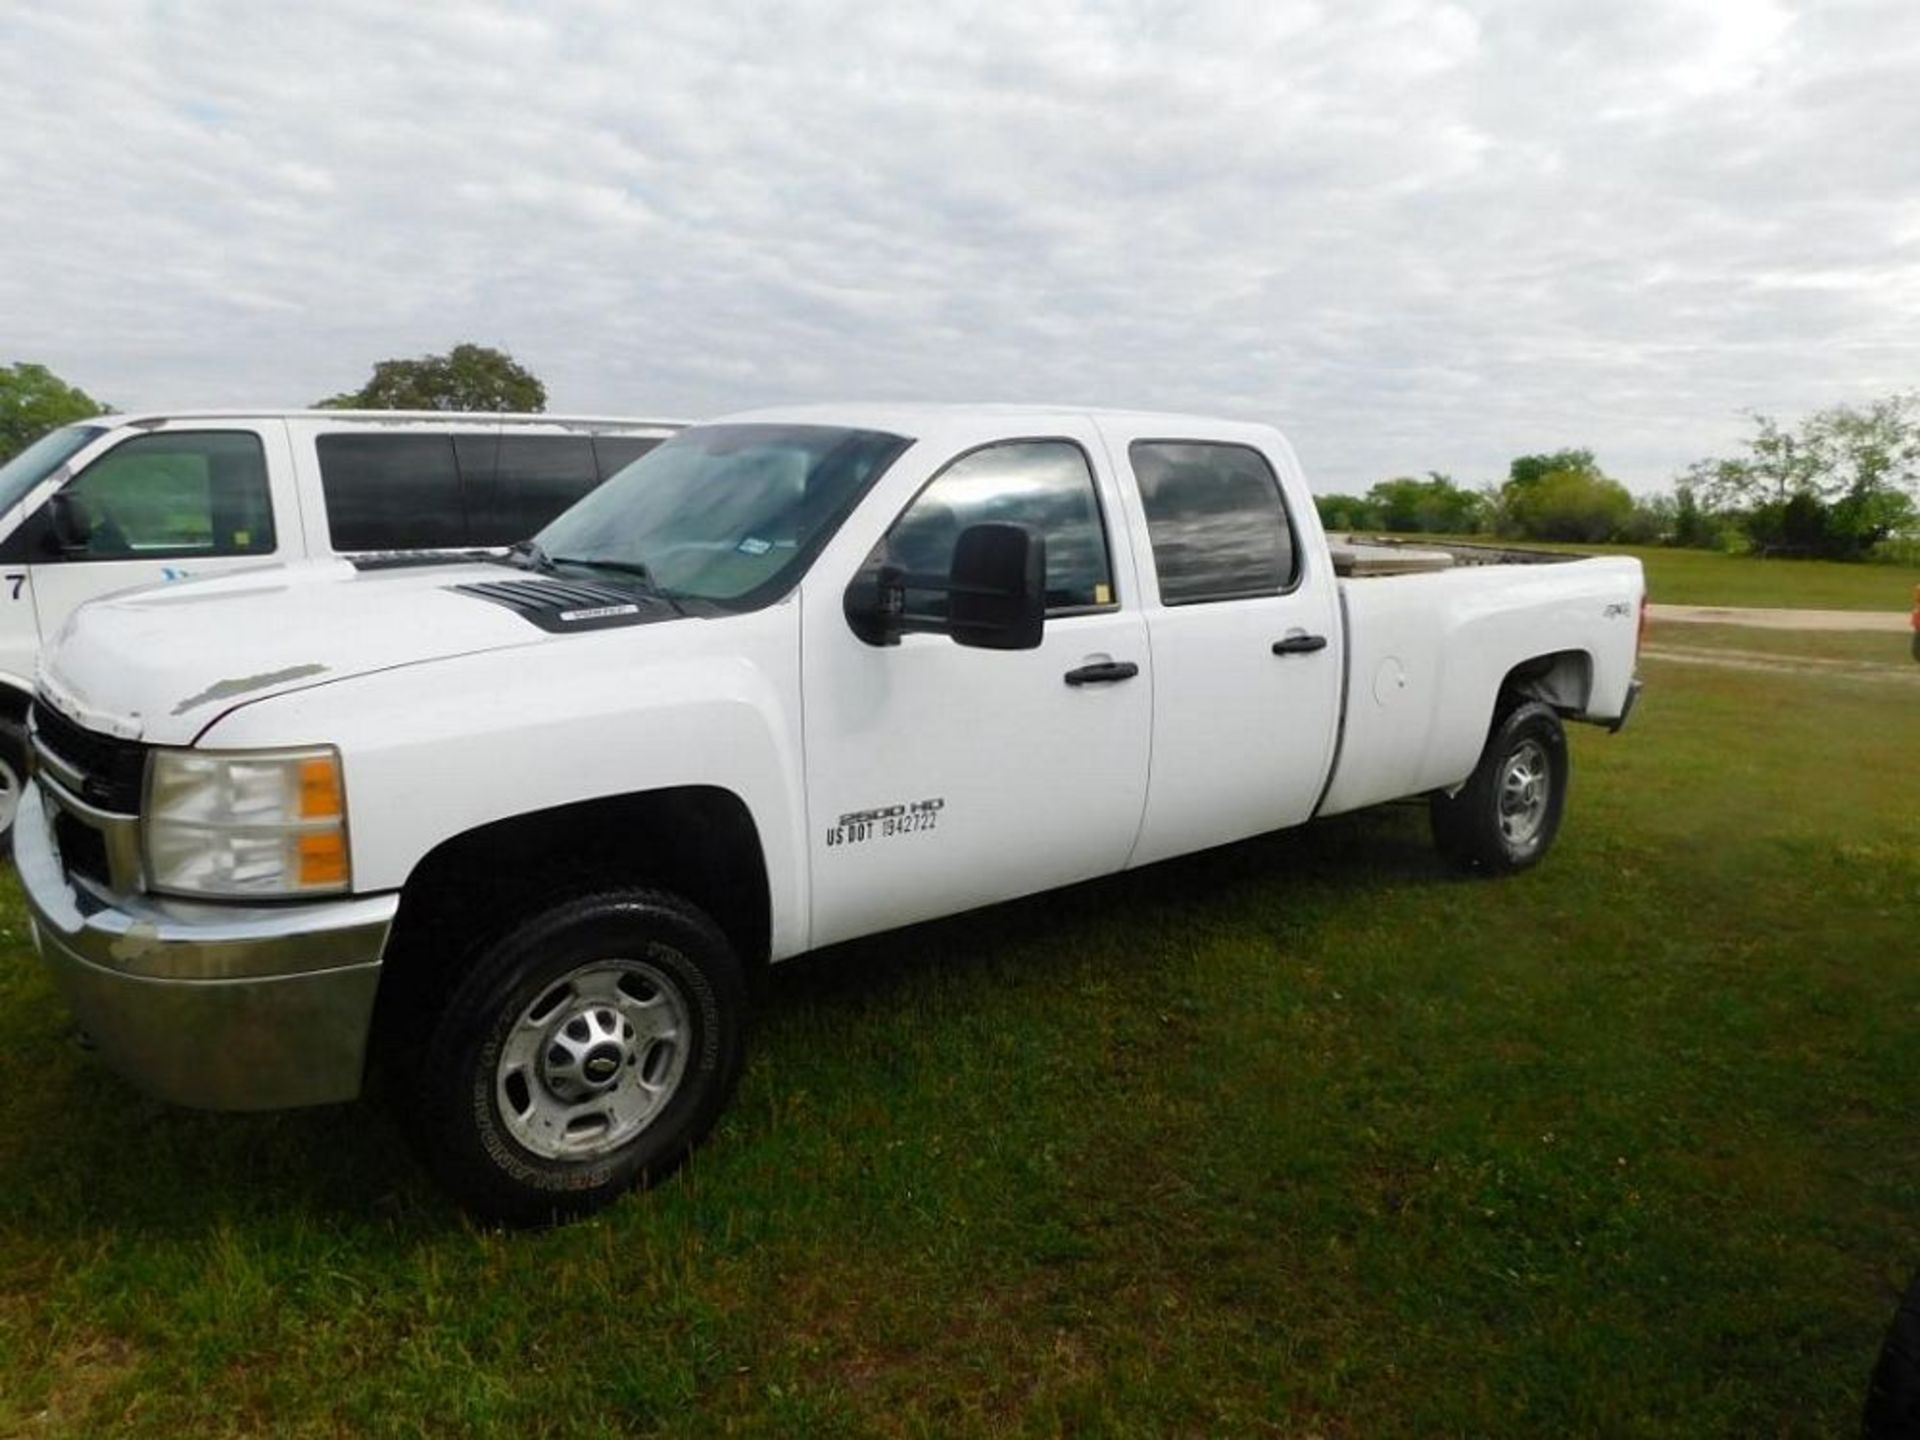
[14, 703]
[1563, 679]
[698, 842]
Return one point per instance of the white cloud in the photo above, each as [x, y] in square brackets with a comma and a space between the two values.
[1417, 235]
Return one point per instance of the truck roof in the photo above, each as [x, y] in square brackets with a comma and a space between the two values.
[910, 417]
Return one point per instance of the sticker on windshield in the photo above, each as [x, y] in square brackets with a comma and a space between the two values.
[754, 545]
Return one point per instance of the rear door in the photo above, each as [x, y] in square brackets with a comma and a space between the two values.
[1245, 635]
[941, 777]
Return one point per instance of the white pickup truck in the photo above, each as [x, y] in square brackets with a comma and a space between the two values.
[524, 828]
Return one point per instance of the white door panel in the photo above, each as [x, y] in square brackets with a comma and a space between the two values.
[941, 778]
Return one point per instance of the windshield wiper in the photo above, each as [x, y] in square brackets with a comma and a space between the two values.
[528, 555]
[633, 568]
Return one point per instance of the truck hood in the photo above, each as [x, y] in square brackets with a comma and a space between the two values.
[161, 664]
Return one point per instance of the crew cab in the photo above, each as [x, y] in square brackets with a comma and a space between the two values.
[126, 500]
[522, 828]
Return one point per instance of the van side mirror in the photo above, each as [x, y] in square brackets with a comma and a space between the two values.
[996, 591]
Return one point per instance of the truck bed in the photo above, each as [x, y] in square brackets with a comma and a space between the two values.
[1365, 557]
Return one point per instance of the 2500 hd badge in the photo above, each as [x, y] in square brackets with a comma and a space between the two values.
[857, 826]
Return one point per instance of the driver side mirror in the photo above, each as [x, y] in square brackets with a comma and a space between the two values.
[996, 591]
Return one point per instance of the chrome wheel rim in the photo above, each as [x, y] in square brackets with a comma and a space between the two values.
[9, 795]
[593, 1060]
[1526, 782]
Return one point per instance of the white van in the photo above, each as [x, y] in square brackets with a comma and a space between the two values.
[126, 500]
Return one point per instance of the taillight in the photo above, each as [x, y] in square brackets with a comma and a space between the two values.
[1640, 639]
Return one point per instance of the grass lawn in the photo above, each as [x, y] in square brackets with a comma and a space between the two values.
[1706, 577]
[1305, 1136]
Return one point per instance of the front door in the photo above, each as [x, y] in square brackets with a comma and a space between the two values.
[170, 505]
[941, 777]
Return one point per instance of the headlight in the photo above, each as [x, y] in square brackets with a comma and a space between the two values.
[246, 825]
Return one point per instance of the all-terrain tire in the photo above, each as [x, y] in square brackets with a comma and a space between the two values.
[1506, 815]
[582, 1053]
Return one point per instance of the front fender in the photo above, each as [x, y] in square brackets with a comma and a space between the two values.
[434, 750]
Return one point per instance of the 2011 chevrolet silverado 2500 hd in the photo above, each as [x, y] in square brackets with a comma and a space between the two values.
[523, 827]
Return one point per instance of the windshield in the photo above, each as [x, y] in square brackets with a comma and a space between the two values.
[41, 459]
[727, 513]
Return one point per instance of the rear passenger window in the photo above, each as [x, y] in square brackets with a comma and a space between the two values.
[391, 492]
[515, 484]
[174, 493]
[1042, 484]
[1216, 520]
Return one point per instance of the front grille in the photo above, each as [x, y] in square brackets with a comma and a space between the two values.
[111, 771]
[83, 849]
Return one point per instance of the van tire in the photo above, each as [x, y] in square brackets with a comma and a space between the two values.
[13, 779]
[1504, 818]
[636, 982]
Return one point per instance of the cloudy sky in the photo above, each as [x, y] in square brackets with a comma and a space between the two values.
[1416, 235]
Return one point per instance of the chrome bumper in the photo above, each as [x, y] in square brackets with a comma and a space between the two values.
[217, 1006]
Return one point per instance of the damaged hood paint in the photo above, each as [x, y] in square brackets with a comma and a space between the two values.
[161, 664]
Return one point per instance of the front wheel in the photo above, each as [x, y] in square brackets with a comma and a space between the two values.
[585, 1052]
[1505, 817]
[13, 779]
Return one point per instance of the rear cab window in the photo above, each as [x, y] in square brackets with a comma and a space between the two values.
[1216, 520]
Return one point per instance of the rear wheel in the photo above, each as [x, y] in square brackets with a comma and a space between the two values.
[1506, 815]
[584, 1052]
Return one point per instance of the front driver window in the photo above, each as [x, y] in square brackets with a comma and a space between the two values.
[173, 494]
[1045, 485]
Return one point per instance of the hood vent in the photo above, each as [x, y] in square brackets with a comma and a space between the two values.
[566, 606]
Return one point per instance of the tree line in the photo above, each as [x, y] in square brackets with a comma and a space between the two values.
[1839, 485]
[33, 400]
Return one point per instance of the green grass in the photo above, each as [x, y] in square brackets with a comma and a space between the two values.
[1306, 1136]
[1707, 577]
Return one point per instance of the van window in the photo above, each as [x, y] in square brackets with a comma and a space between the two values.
[391, 492]
[515, 484]
[186, 493]
[613, 453]
[1218, 526]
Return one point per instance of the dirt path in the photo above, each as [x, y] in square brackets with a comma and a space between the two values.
[1780, 619]
[1888, 674]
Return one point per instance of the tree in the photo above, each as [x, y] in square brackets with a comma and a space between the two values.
[1433, 506]
[1836, 486]
[1346, 512]
[467, 377]
[1527, 471]
[34, 400]
[1563, 495]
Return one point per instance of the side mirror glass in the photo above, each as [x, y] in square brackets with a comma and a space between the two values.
[997, 596]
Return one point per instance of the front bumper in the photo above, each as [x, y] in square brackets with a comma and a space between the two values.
[221, 1007]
